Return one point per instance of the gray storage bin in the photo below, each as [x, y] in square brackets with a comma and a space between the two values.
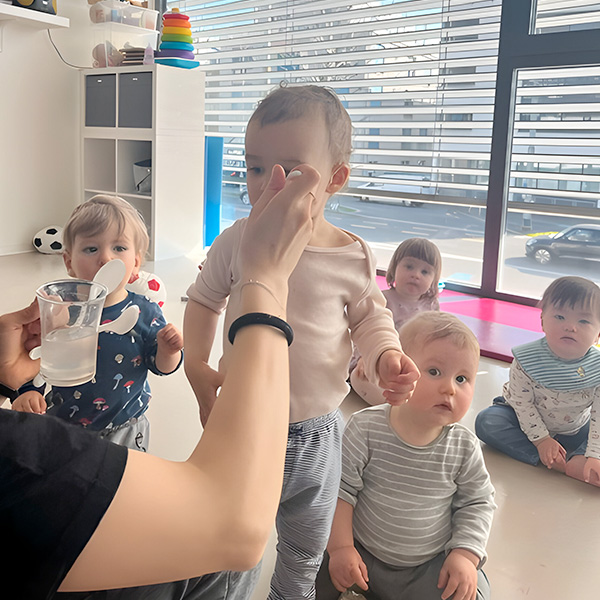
[135, 100]
[100, 100]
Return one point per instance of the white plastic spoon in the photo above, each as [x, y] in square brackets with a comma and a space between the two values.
[124, 323]
[111, 274]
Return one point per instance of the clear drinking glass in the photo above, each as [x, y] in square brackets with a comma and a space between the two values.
[70, 311]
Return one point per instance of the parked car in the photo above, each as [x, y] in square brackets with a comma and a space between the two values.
[577, 241]
[375, 186]
[244, 196]
[397, 183]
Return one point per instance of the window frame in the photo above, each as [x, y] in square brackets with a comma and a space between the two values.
[521, 48]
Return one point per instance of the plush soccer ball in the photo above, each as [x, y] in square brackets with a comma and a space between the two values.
[149, 285]
[48, 240]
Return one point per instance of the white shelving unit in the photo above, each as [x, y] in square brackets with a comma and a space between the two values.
[32, 19]
[148, 112]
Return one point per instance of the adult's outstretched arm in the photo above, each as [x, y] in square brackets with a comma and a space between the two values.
[171, 521]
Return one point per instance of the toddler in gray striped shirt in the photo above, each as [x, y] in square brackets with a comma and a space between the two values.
[415, 503]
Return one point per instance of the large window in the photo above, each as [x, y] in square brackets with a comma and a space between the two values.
[418, 78]
[554, 167]
[565, 15]
[543, 210]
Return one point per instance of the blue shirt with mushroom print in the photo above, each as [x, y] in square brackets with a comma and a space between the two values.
[120, 390]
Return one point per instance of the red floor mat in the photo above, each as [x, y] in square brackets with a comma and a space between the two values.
[498, 325]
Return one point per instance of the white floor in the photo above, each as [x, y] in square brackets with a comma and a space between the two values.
[545, 542]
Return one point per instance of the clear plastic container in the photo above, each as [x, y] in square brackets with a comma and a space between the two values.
[108, 38]
[113, 11]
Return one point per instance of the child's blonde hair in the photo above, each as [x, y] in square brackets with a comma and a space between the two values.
[421, 249]
[426, 327]
[286, 103]
[94, 216]
[572, 292]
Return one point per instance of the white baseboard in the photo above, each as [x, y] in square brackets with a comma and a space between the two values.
[16, 249]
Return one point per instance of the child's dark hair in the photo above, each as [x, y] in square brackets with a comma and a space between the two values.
[421, 249]
[286, 103]
[98, 213]
[572, 292]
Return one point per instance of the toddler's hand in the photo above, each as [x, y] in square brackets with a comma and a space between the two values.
[170, 339]
[591, 471]
[346, 568]
[551, 453]
[30, 402]
[458, 575]
[398, 376]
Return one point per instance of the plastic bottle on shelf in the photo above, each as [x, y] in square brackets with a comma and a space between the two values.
[148, 55]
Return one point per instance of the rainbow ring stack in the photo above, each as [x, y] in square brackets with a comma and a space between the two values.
[176, 47]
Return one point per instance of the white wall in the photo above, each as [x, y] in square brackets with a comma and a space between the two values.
[39, 125]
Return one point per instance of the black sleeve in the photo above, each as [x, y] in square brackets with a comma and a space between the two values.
[56, 482]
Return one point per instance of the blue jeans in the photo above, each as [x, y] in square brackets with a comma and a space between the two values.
[498, 426]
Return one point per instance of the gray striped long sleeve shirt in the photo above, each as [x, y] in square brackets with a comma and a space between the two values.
[410, 502]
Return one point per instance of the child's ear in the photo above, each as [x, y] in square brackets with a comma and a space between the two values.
[338, 179]
[67, 260]
[136, 269]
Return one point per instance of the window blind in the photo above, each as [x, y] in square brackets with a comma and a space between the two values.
[416, 76]
[566, 15]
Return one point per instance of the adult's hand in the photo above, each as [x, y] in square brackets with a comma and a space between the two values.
[279, 226]
[19, 333]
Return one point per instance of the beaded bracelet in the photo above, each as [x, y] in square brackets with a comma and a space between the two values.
[265, 287]
[257, 318]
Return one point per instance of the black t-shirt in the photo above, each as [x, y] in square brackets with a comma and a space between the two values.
[56, 482]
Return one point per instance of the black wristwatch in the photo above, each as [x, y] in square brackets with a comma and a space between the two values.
[11, 394]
